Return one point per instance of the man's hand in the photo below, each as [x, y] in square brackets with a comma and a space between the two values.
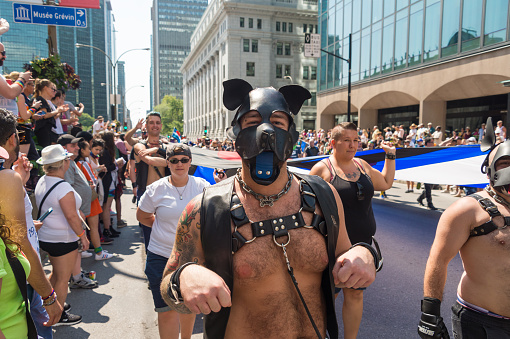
[139, 124]
[355, 268]
[388, 147]
[23, 166]
[148, 151]
[203, 290]
[431, 325]
[54, 312]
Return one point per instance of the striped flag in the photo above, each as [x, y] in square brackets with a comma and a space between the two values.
[176, 135]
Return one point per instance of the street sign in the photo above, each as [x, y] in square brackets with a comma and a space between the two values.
[312, 45]
[49, 15]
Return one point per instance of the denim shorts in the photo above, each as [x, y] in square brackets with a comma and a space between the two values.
[154, 267]
[469, 324]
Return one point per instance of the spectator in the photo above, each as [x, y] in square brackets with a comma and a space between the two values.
[437, 136]
[63, 120]
[467, 134]
[430, 129]
[72, 112]
[500, 131]
[311, 150]
[481, 133]
[44, 91]
[62, 229]
[99, 126]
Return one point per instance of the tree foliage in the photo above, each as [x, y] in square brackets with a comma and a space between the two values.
[171, 110]
[51, 68]
[86, 121]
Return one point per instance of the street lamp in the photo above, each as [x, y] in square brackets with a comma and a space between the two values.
[124, 101]
[114, 66]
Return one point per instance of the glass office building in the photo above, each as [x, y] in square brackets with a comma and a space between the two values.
[393, 37]
[173, 23]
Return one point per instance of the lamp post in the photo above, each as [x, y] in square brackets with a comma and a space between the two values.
[114, 66]
[124, 100]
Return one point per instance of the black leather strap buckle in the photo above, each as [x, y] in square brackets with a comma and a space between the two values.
[489, 207]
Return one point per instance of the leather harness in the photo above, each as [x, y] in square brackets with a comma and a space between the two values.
[493, 211]
[221, 206]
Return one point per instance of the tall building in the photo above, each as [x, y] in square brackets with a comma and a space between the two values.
[121, 89]
[23, 42]
[91, 65]
[173, 22]
[436, 61]
[259, 41]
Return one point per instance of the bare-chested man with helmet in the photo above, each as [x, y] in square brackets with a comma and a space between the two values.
[475, 226]
[241, 244]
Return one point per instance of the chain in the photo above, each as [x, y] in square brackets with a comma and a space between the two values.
[265, 200]
[496, 197]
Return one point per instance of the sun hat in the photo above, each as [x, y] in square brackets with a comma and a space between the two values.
[52, 154]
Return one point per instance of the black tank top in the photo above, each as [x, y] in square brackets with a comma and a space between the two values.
[359, 216]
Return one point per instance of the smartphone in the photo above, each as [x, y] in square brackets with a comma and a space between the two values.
[45, 214]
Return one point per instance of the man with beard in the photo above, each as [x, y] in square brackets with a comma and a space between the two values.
[261, 252]
[13, 200]
[150, 158]
[476, 227]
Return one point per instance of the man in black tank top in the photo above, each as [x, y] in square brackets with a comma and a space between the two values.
[355, 181]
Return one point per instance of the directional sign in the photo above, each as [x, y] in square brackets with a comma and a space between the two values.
[312, 45]
[49, 15]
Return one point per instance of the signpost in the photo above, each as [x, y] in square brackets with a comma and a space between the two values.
[49, 15]
[312, 45]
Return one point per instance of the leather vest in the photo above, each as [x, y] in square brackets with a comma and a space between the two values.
[216, 237]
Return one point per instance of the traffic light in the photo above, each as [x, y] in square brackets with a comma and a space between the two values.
[125, 126]
[205, 130]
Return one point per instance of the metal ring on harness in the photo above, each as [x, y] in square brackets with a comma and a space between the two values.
[247, 241]
[498, 227]
[282, 245]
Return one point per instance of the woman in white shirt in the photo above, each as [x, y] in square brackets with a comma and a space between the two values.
[160, 207]
[63, 227]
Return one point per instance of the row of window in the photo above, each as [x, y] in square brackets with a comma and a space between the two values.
[254, 45]
[283, 48]
[282, 26]
[250, 23]
[283, 70]
[308, 28]
[309, 72]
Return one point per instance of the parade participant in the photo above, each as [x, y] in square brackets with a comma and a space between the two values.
[160, 208]
[13, 207]
[355, 181]
[150, 161]
[240, 270]
[474, 226]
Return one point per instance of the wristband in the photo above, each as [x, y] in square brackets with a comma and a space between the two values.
[391, 156]
[52, 292]
[431, 306]
[82, 233]
[174, 288]
[50, 301]
[378, 260]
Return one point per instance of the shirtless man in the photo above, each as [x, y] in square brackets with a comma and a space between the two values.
[241, 277]
[482, 309]
[150, 161]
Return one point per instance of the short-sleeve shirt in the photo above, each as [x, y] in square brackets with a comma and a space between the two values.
[12, 312]
[98, 127]
[163, 199]
[80, 184]
[55, 227]
[31, 231]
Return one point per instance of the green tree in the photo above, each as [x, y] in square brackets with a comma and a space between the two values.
[86, 121]
[171, 114]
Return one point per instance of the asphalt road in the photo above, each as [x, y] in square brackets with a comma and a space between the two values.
[121, 307]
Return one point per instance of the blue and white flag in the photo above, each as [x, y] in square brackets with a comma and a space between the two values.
[176, 135]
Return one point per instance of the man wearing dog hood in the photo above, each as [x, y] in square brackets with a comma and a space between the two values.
[244, 244]
[475, 226]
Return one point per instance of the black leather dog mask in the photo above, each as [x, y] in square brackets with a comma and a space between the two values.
[265, 146]
[499, 178]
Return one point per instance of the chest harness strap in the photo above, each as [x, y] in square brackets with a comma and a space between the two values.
[493, 212]
[279, 227]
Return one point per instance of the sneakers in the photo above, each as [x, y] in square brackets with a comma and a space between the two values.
[432, 208]
[67, 307]
[114, 231]
[86, 254]
[68, 319]
[107, 233]
[382, 196]
[106, 240]
[121, 223]
[84, 282]
[104, 255]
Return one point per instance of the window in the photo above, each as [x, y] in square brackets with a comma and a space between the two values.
[284, 27]
[278, 26]
[250, 23]
[313, 100]
[313, 74]
[279, 48]
[316, 29]
[241, 22]
[259, 23]
[255, 46]
[279, 71]
[223, 71]
[250, 69]
[287, 70]
[290, 27]
[305, 72]
[305, 27]
[287, 49]
[246, 45]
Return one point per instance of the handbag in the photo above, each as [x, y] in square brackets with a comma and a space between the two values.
[21, 280]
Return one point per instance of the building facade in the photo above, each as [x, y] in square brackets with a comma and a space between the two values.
[121, 89]
[173, 22]
[436, 61]
[260, 41]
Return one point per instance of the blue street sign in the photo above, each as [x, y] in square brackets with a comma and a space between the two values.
[49, 15]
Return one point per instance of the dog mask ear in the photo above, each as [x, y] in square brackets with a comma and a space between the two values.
[234, 92]
[490, 137]
[295, 96]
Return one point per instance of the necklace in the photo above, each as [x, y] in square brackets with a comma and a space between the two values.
[180, 193]
[265, 200]
[496, 197]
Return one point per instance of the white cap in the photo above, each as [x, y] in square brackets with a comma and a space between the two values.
[52, 154]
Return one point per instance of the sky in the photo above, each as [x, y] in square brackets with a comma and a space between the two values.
[134, 28]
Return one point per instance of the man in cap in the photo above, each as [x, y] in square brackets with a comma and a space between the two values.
[99, 125]
[246, 235]
[476, 227]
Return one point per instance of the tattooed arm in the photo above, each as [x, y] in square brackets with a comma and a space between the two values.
[203, 290]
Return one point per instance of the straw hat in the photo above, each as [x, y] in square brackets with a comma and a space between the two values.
[52, 154]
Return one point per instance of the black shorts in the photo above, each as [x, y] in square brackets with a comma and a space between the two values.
[469, 324]
[58, 249]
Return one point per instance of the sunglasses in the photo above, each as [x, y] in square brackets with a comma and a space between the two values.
[360, 194]
[3, 53]
[176, 161]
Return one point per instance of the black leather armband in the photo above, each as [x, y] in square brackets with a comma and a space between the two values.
[391, 156]
[174, 288]
[378, 260]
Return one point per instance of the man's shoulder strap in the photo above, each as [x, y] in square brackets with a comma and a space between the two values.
[492, 210]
